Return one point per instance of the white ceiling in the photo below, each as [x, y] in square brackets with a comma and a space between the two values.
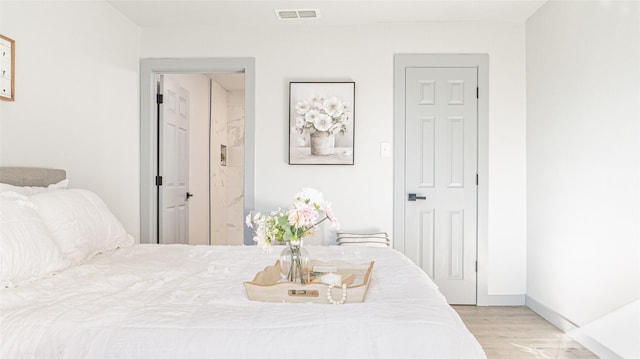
[261, 13]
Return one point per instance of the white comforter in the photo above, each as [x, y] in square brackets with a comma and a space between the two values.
[176, 301]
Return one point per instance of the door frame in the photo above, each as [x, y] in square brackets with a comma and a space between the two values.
[151, 67]
[481, 62]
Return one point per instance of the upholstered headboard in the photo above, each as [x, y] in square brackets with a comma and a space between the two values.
[31, 176]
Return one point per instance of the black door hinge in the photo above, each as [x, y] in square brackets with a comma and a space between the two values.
[477, 92]
[158, 180]
[159, 98]
[477, 180]
[476, 266]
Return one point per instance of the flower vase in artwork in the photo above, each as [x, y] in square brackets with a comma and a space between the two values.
[322, 143]
[294, 263]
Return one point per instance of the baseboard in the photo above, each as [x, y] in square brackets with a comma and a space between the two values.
[550, 315]
[570, 328]
[506, 300]
[593, 345]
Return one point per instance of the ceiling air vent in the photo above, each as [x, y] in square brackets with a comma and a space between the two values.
[297, 14]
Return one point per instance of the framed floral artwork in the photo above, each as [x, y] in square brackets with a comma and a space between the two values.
[321, 123]
[7, 69]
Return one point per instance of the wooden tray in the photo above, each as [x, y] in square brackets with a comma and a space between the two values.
[267, 286]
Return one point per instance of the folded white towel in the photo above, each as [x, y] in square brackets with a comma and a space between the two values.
[353, 234]
[365, 244]
[379, 239]
[363, 239]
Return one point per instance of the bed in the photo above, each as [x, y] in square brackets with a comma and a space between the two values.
[123, 300]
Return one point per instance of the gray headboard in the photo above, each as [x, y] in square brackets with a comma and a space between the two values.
[31, 176]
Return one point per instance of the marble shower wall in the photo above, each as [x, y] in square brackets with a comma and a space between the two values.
[227, 182]
[235, 167]
[218, 190]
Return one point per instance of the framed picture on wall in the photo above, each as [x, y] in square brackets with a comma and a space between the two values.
[321, 123]
[7, 69]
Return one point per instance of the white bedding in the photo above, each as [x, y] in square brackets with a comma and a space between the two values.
[177, 301]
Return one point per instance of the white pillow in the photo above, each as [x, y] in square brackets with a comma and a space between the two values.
[80, 223]
[27, 251]
[26, 190]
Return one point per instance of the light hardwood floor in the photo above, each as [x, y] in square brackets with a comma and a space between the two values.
[518, 332]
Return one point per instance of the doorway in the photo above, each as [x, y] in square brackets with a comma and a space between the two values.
[433, 156]
[201, 151]
[150, 220]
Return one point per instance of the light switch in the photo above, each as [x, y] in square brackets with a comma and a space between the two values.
[385, 149]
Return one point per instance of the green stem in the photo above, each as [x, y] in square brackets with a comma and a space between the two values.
[291, 276]
[314, 226]
[295, 269]
[299, 263]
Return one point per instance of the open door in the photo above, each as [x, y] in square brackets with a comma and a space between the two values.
[173, 151]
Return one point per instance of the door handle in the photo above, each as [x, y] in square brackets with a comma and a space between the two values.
[189, 195]
[413, 197]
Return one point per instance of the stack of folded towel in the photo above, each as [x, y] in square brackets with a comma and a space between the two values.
[379, 239]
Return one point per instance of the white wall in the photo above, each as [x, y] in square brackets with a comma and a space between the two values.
[77, 102]
[583, 138]
[198, 87]
[362, 194]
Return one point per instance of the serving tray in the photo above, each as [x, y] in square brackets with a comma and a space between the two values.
[267, 285]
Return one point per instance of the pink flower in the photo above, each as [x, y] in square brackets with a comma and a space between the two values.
[294, 218]
[330, 215]
[302, 215]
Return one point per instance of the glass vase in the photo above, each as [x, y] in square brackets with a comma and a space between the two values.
[294, 263]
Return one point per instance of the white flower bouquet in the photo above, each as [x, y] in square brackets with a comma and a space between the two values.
[308, 210]
[322, 114]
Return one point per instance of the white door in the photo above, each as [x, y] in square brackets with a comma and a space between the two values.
[174, 159]
[440, 169]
